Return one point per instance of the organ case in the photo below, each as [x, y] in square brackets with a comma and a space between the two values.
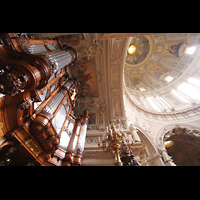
[34, 78]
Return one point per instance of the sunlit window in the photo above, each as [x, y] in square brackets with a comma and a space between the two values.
[153, 104]
[190, 50]
[179, 96]
[142, 89]
[194, 81]
[169, 78]
[132, 49]
[164, 103]
[135, 99]
[146, 103]
[159, 104]
[189, 91]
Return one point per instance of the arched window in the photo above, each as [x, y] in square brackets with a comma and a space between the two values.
[180, 97]
[189, 90]
[153, 104]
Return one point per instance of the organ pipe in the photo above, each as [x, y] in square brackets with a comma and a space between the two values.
[38, 69]
[28, 64]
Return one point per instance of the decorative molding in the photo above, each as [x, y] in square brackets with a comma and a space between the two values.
[11, 76]
[97, 153]
[116, 52]
[93, 46]
[116, 49]
[91, 140]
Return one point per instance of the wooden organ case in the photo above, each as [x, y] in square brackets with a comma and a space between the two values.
[38, 103]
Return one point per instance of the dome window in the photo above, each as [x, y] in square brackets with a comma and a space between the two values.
[189, 90]
[153, 104]
[180, 96]
[169, 78]
[190, 50]
[194, 81]
[142, 89]
[132, 49]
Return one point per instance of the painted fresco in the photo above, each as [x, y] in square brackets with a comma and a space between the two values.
[71, 40]
[157, 72]
[136, 81]
[172, 48]
[84, 70]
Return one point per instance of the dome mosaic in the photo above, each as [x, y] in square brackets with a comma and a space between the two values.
[153, 62]
[168, 78]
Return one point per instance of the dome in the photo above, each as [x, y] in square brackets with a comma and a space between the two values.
[138, 50]
[156, 66]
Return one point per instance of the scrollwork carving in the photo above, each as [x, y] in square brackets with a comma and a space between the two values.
[12, 81]
[23, 105]
[116, 55]
[96, 40]
[27, 103]
[95, 47]
[91, 140]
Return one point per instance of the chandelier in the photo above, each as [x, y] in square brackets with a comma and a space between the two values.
[119, 143]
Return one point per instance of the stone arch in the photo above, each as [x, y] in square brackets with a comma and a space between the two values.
[154, 158]
[167, 129]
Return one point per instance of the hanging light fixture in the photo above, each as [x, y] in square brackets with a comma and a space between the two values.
[119, 143]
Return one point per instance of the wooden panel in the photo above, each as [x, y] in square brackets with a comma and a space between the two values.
[3, 129]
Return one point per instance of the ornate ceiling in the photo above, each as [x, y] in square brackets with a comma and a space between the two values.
[147, 68]
[101, 66]
[146, 64]
[138, 50]
[154, 58]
